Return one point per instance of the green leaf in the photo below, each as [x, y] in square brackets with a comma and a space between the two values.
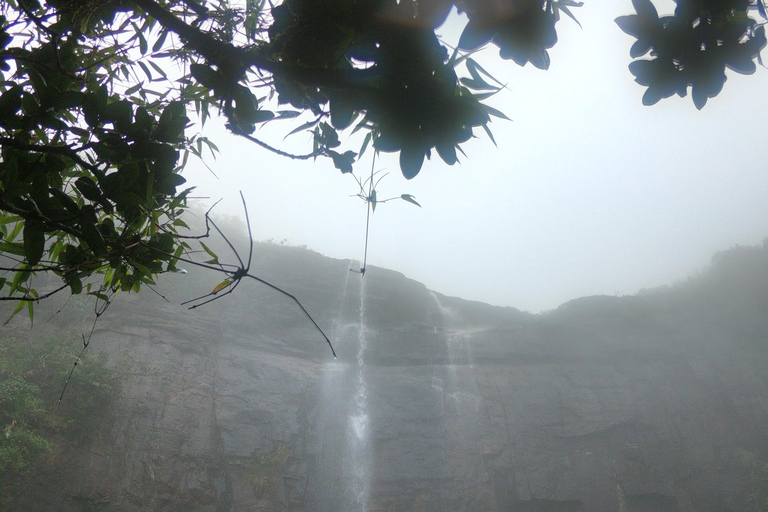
[146, 71]
[563, 6]
[494, 112]
[476, 33]
[409, 198]
[143, 47]
[19, 278]
[9, 219]
[100, 296]
[447, 152]
[158, 69]
[34, 241]
[262, 116]
[341, 113]
[411, 160]
[176, 255]
[133, 89]
[75, 284]
[632, 25]
[15, 232]
[172, 122]
[160, 40]
[9, 248]
[366, 141]
[343, 161]
[287, 114]
[490, 135]
[121, 115]
[88, 188]
[210, 252]
[645, 9]
[10, 102]
[303, 127]
[19, 307]
[478, 82]
[477, 85]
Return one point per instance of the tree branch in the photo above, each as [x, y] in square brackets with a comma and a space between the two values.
[202, 42]
[36, 299]
[264, 145]
[221, 54]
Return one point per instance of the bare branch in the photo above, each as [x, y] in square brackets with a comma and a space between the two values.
[34, 299]
[86, 342]
[266, 146]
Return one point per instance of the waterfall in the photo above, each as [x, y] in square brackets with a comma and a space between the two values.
[460, 390]
[341, 477]
[359, 420]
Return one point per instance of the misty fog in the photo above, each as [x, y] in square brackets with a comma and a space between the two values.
[575, 320]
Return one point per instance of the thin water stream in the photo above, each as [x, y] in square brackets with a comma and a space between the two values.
[359, 449]
[342, 477]
[459, 392]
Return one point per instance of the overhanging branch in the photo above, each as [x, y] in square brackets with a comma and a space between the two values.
[224, 55]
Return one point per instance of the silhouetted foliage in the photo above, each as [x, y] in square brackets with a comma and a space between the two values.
[95, 99]
[693, 47]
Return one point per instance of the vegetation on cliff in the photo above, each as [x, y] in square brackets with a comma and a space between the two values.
[32, 419]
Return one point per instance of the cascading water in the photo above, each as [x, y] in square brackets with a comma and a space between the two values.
[454, 380]
[337, 322]
[461, 389]
[341, 478]
[359, 449]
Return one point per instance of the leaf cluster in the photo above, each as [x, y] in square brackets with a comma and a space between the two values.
[89, 154]
[523, 31]
[96, 98]
[693, 47]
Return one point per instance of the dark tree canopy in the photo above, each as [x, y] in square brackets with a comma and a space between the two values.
[693, 47]
[96, 99]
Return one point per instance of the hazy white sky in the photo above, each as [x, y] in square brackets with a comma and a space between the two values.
[587, 193]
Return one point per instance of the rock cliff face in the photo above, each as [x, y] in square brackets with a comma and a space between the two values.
[649, 403]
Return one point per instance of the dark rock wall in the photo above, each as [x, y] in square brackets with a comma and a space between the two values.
[606, 404]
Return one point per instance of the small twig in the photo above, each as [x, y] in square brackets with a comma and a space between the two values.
[306, 156]
[86, 342]
[194, 237]
[368, 216]
[36, 299]
[61, 308]
[159, 294]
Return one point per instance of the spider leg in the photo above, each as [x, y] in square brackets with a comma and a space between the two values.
[300, 306]
[217, 296]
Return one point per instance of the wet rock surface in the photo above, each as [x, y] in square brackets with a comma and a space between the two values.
[606, 404]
